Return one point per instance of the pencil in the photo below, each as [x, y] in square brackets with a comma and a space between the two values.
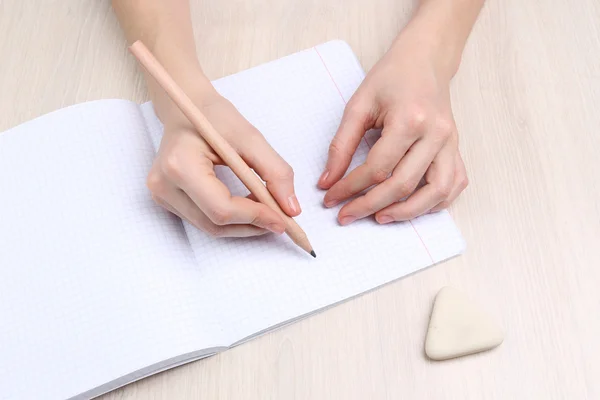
[227, 153]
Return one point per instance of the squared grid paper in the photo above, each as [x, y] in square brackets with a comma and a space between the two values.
[96, 280]
[98, 283]
[297, 103]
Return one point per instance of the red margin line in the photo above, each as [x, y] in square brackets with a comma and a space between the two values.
[331, 76]
[422, 241]
[345, 102]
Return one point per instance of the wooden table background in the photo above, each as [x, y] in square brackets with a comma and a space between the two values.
[526, 101]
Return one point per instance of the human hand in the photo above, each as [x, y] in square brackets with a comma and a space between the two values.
[407, 95]
[183, 180]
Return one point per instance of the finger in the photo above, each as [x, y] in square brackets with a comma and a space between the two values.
[273, 169]
[380, 162]
[246, 211]
[355, 122]
[166, 206]
[402, 183]
[181, 205]
[198, 180]
[439, 177]
[461, 181]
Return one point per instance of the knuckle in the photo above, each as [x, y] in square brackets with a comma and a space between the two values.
[443, 129]
[285, 172]
[379, 174]
[156, 183]
[356, 108]
[445, 125]
[443, 205]
[371, 203]
[398, 213]
[220, 215]
[417, 118]
[212, 230]
[443, 190]
[253, 134]
[336, 147]
[341, 191]
[258, 218]
[410, 214]
[406, 187]
[172, 165]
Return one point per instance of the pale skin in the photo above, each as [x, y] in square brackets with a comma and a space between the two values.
[406, 94]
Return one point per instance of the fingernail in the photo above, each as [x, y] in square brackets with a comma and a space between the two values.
[275, 228]
[331, 203]
[385, 219]
[348, 219]
[324, 176]
[294, 205]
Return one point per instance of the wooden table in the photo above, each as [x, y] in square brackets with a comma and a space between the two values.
[527, 104]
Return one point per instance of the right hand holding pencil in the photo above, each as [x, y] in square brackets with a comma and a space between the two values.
[183, 180]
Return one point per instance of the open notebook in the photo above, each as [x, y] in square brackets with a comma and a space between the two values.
[100, 287]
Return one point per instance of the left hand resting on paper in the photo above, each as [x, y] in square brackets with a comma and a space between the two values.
[406, 94]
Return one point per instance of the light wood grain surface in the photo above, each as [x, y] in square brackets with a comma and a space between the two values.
[527, 104]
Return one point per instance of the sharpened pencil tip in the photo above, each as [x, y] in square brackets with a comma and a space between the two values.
[312, 253]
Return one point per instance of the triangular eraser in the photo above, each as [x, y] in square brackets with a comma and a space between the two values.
[458, 327]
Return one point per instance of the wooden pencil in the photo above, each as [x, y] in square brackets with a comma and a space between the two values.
[227, 153]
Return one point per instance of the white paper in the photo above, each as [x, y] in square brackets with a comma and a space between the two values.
[98, 283]
[297, 103]
[95, 280]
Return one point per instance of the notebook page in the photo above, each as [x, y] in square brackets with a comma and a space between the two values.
[95, 279]
[297, 103]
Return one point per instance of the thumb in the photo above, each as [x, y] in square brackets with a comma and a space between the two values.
[343, 146]
[272, 169]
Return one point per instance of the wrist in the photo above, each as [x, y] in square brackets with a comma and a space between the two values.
[195, 84]
[434, 32]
